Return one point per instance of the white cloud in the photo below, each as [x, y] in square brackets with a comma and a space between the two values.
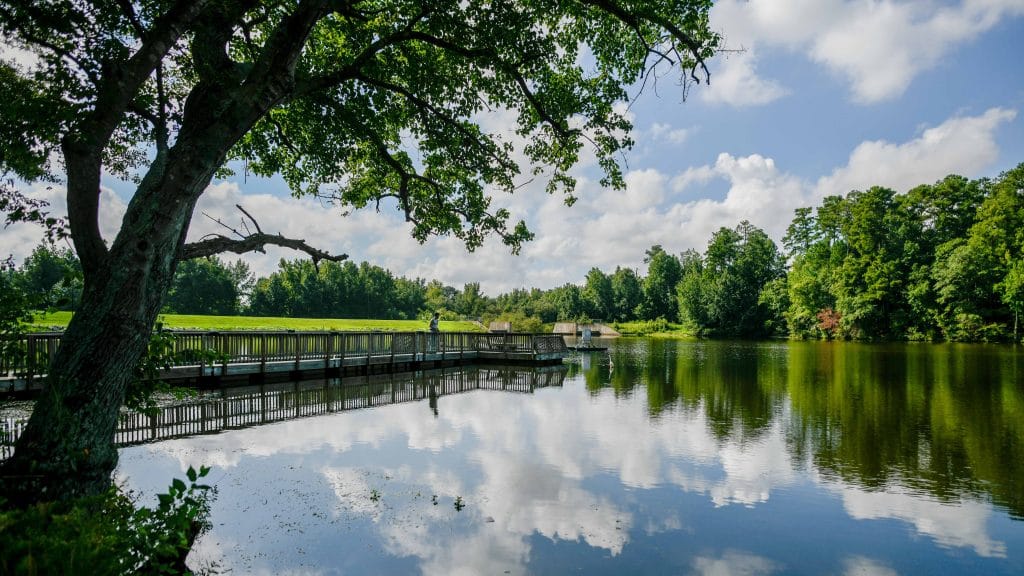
[18, 240]
[864, 566]
[665, 132]
[734, 563]
[961, 525]
[758, 192]
[878, 47]
[736, 82]
[962, 145]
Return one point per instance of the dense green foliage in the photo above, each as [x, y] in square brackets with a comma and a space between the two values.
[722, 293]
[942, 261]
[106, 534]
[333, 290]
[208, 286]
[54, 275]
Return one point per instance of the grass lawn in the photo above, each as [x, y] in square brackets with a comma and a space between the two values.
[182, 321]
[653, 329]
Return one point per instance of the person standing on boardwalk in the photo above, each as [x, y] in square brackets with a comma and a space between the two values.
[434, 330]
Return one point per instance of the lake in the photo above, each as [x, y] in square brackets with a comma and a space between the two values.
[657, 457]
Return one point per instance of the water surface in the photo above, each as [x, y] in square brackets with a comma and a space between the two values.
[659, 457]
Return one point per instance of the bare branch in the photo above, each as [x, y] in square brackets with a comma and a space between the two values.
[212, 244]
[217, 244]
[254, 222]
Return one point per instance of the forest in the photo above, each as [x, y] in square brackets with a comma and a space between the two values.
[943, 261]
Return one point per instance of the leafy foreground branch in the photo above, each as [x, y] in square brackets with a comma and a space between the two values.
[106, 534]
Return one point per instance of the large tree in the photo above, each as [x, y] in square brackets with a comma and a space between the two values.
[203, 286]
[372, 102]
[659, 287]
[53, 275]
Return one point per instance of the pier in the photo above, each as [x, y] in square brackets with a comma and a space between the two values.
[207, 359]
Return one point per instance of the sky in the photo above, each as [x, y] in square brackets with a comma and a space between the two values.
[812, 98]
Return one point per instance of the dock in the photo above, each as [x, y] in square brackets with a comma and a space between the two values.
[259, 356]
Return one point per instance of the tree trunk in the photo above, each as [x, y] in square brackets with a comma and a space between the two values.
[66, 450]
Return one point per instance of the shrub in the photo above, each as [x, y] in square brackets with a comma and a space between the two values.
[106, 534]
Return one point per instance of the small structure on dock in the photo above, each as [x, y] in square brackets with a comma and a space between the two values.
[585, 343]
[499, 327]
[597, 329]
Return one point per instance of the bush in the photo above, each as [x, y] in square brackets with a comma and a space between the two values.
[646, 327]
[106, 534]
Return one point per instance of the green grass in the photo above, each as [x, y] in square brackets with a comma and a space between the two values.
[194, 322]
[652, 328]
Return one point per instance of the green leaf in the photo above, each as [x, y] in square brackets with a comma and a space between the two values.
[191, 474]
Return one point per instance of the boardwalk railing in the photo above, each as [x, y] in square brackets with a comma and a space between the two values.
[251, 352]
[240, 407]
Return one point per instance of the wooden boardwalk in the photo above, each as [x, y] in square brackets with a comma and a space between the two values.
[258, 356]
[245, 406]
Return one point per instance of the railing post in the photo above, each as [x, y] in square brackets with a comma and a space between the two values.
[204, 344]
[298, 349]
[263, 353]
[223, 348]
[30, 361]
[341, 361]
[327, 351]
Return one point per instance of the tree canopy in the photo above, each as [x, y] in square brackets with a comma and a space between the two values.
[356, 102]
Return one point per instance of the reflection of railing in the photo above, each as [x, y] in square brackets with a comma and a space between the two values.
[249, 352]
[255, 405]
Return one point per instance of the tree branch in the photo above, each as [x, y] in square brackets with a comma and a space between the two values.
[352, 69]
[217, 244]
[133, 18]
[83, 147]
[426, 107]
[212, 244]
[633, 21]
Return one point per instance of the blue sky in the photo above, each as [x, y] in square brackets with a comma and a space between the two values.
[826, 96]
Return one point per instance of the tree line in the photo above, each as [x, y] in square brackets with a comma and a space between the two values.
[940, 262]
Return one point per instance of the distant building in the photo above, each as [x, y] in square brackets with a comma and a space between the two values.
[576, 329]
[500, 327]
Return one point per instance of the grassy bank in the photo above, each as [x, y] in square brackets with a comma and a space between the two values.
[652, 328]
[60, 320]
